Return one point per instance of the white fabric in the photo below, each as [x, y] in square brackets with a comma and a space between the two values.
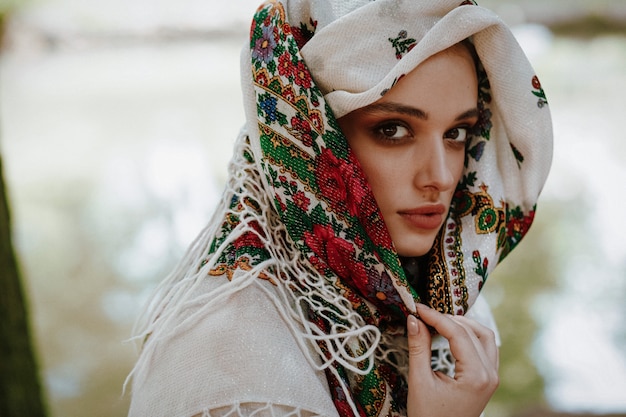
[242, 355]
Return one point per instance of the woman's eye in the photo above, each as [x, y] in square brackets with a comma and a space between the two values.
[458, 134]
[393, 131]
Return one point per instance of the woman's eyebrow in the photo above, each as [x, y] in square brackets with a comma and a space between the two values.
[469, 114]
[396, 108]
[413, 111]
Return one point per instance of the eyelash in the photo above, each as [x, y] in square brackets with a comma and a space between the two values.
[378, 132]
[467, 130]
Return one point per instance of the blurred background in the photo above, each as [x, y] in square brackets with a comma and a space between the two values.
[117, 121]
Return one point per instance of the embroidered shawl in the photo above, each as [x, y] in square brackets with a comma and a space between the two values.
[299, 214]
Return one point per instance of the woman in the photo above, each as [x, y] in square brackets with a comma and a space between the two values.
[392, 156]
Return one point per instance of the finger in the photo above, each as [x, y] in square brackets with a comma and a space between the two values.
[485, 336]
[485, 360]
[462, 346]
[472, 367]
[483, 374]
[419, 348]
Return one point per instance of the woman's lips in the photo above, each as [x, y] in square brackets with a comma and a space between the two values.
[425, 217]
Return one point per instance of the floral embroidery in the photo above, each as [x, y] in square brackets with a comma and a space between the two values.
[251, 239]
[301, 129]
[304, 33]
[539, 92]
[517, 225]
[302, 76]
[481, 131]
[285, 65]
[379, 286]
[477, 150]
[487, 217]
[481, 265]
[301, 200]
[229, 269]
[483, 125]
[338, 253]
[402, 44]
[267, 105]
[439, 288]
[510, 223]
[335, 177]
[264, 46]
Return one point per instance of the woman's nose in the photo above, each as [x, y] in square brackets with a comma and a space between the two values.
[436, 169]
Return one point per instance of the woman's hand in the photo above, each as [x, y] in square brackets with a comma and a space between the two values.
[433, 394]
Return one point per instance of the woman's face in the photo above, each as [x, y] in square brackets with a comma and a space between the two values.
[411, 145]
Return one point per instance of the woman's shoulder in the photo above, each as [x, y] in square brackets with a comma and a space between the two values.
[240, 350]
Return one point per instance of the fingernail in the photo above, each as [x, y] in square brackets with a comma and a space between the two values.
[412, 327]
[421, 306]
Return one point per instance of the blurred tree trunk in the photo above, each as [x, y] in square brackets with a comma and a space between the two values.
[20, 389]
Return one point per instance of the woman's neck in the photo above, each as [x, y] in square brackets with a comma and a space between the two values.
[415, 270]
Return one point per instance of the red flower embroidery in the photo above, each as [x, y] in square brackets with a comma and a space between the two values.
[285, 66]
[346, 191]
[319, 265]
[299, 37]
[327, 246]
[354, 197]
[316, 119]
[337, 252]
[303, 33]
[250, 238]
[302, 76]
[261, 79]
[302, 130]
[329, 177]
[301, 200]
[357, 189]
[536, 83]
[276, 33]
[288, 93]
[520, 226]
[338, 182]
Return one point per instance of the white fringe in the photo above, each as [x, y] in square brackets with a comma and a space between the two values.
[178, 292]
